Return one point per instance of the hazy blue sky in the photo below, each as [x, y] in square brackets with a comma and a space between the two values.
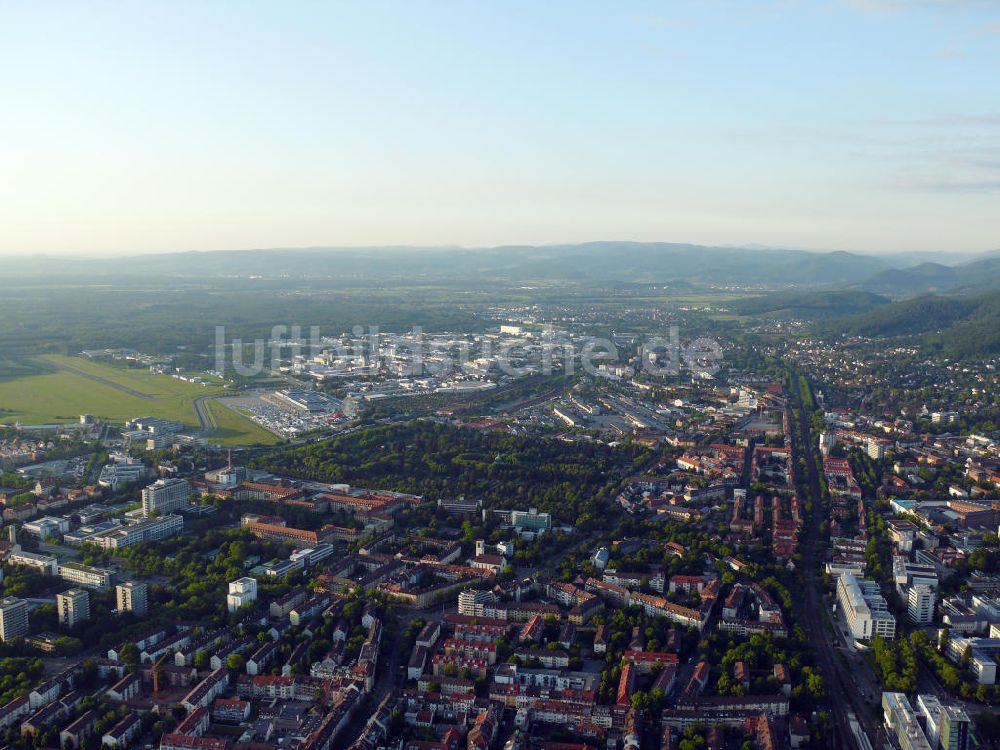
[855, 124]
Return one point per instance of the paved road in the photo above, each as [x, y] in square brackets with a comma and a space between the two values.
[103, 381]
[844, 696]
[387, 671]
[205, 417]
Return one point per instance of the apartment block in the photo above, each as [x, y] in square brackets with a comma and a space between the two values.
[13, 619]
[132, 597]
[73, 607]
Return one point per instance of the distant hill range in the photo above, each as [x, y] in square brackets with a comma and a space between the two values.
[588, 263]
[956, 326]
[980, 274]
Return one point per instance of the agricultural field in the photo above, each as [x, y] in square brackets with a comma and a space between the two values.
[69, 386]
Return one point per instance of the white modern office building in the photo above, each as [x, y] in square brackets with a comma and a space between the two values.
[901, 720]
[150, 530]
[165, 496]
[864, 608]
[920, 602]
[946, 726]
[123, 470]
[907, 573]
[47, 526]
[982, 653]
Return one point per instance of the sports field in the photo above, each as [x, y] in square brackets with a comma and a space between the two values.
[74, 386]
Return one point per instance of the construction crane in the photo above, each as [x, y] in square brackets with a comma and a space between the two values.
[156, 675]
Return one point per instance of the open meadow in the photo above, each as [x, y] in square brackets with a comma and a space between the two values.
[70, 386]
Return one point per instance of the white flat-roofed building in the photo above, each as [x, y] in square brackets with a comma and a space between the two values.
[987, 607]
[45, 564]
[312, 555]
[946, 726]
[982, 656]
[855, 568]
[473, 602]
[902, 533]
[87, 532]
[53, 526]
[100, 579]
[959, 617]
[929, 708]
[93, 513]
[864, 608]
[281, 568]
[523, 520]
[920, 602]
[875, 449]
[826, 442]
[155, 425]
[122, 472]
[902, 721]
[165, 495]
[907, 573]
[150, 530]
[242, 591]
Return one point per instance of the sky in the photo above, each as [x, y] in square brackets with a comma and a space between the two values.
[868, 125]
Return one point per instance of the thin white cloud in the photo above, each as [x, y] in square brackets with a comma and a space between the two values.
[949, 53]
[986, 120]
[948, 183]
[949, 162]
[662, 22]
[948, 153]
[894, 6]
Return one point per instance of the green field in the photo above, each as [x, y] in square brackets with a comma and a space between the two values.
[234, 429]
[60, 395]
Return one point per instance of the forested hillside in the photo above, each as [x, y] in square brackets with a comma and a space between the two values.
[951, 326]
[811, 304]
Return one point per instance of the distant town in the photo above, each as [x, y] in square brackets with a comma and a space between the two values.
[560, 559]
[500, 375]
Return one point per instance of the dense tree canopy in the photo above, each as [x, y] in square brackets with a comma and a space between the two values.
[439, 461]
